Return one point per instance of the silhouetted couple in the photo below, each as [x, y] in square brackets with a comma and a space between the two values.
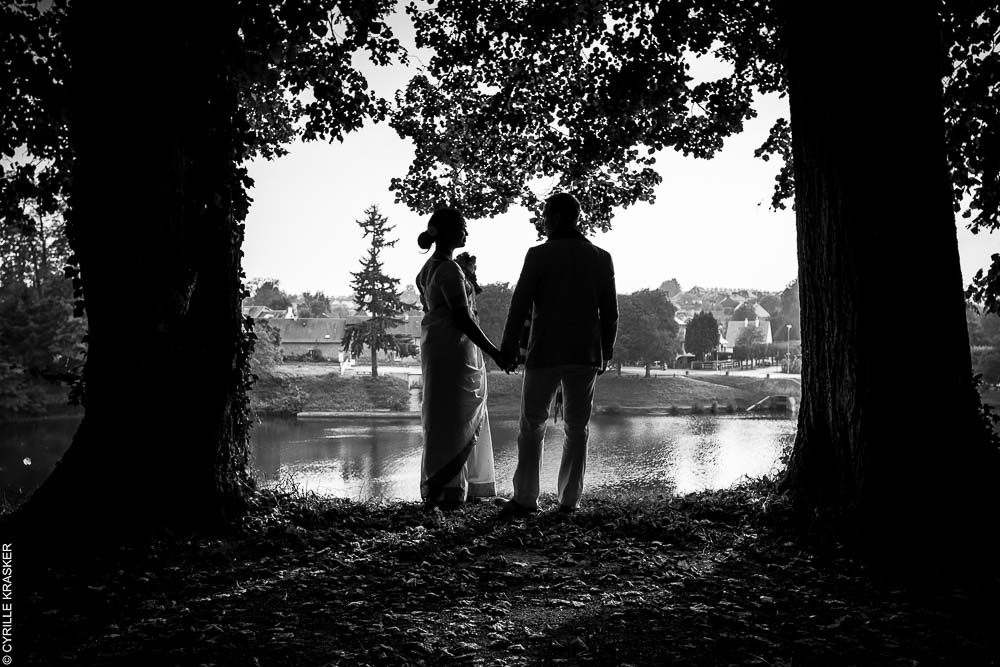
[567, 285]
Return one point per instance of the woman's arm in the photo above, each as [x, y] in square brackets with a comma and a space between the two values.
[464, 322]
[451, 282]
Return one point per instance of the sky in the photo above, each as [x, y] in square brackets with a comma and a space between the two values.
[710, 225]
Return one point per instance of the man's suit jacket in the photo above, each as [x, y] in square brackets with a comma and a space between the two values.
[568, 284]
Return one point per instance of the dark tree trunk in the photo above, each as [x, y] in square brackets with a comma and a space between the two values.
[155, 218]
[885, 440]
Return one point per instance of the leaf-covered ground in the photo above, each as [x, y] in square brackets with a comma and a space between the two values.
[640, 580]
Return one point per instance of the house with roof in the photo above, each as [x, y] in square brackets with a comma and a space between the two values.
[736, 327]
[761, 312]
[262, 312]
[728, 305]
[324, 336]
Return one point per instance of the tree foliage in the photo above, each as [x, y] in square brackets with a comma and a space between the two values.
[579, 95]
[315, 305]
[750, 335]
[984, 327]
[187, 94]
[41, 338]
[294, 72]
[750, 344]
[790, 312]
[492, 305]
[989, 367]
[266, 349]
[771, 303]
[670, 287]
[647, 330]
[702, 334]
[375, 293]
[267, 292]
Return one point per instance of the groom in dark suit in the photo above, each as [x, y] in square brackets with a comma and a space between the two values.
[568, 284]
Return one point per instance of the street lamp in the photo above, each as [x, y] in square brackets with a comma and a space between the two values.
[788, 349]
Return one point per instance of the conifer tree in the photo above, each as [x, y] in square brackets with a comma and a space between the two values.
[375, 293]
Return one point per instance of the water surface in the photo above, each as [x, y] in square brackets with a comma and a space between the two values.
[380, 459]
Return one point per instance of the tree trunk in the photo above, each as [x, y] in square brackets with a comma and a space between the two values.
[154, 219]
[886, 442]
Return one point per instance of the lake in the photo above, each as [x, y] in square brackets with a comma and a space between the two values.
[380, 459]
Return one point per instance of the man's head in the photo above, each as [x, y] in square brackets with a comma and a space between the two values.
[561, 213]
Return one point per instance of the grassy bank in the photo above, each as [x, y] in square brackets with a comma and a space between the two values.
[630, 391]
[292, 389]
[284, 394]
[711, 579]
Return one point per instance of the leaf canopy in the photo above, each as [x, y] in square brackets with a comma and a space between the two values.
[525, 97]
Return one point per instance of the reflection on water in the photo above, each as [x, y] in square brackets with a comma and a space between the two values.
[381, 459]
[349, 458]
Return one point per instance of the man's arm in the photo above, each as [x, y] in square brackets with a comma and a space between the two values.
[520, 304]
[608, 312]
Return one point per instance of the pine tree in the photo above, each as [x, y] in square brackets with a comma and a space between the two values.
[375, 293]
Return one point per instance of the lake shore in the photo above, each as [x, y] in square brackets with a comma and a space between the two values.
[287, 394]
[317, 389]
[709, 579]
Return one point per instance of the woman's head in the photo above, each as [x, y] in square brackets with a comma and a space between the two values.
[446, 228]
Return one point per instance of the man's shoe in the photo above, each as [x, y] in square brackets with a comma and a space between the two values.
[566, 509]
[512, 510]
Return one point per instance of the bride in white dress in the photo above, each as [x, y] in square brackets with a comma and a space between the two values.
[458, 450]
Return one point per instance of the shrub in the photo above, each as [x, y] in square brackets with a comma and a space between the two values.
[278, 396]
[18, 394]
[266, 349]
[989, 367]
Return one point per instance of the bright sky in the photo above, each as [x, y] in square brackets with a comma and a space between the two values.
[710, 224]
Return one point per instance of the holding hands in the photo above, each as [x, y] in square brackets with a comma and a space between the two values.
[505, 362]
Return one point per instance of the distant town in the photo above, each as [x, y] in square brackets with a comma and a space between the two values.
[312, 326]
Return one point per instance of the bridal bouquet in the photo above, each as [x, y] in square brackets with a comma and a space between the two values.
[467, 263]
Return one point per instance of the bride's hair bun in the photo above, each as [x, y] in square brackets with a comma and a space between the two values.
[444, 221]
